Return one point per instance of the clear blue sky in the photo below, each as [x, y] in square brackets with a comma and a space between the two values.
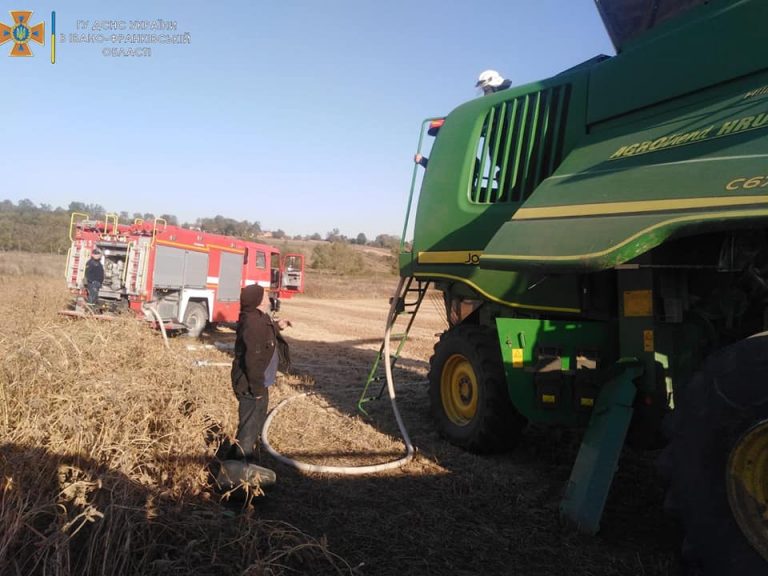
[300, 114]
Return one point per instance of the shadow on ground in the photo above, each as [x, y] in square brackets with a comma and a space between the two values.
[70, 515]
[450, 512]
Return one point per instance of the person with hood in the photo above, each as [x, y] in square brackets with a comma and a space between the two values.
[254, 367]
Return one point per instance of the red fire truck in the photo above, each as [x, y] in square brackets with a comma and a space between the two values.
[188, 277]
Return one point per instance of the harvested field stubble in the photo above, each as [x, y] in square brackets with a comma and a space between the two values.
[448, 512]
[106, 437]
[326, 284]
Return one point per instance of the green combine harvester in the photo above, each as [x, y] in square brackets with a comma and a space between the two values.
[601, 242]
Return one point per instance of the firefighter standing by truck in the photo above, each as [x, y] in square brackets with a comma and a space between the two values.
[94, 276]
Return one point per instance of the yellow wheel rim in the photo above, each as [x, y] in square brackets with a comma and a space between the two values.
[458, 390]
[747, 485]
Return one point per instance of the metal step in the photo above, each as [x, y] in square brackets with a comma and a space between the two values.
[375, 373]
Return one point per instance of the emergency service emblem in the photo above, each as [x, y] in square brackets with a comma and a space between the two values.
[21, 33]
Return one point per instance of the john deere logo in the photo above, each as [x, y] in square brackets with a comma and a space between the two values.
[21, 33]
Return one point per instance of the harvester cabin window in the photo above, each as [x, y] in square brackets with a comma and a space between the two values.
[521, 144]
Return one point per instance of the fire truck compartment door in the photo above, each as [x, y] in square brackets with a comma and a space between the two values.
[230, 276]
[178, 268]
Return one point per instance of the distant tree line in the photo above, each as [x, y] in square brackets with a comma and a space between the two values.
[33, 228]
[338, 257]
[30, 227]
[381, 241]
[228, 227]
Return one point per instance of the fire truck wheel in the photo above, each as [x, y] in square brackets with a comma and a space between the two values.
[468, 391]
[717, 462]
[195, 319]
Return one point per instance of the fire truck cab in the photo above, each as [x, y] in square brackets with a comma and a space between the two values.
[188, 277]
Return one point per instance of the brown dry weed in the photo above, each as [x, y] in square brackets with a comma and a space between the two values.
[106, 442]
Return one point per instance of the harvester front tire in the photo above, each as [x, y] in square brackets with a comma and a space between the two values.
[468, 392]
[725, 399]
[195, 319]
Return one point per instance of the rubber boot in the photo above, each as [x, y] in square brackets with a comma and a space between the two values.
[234, 473]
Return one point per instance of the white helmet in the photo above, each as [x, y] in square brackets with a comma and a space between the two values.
[489, 79]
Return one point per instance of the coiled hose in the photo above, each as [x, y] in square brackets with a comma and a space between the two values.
[353, 470]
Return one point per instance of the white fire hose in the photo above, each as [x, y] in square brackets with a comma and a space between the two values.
[154, 313]
[353, 470]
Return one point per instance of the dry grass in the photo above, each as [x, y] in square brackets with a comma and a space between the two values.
[107, 438]
[104, 460]
[26, 263]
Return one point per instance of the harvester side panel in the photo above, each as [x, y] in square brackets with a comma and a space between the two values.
[627, 20]
[554, 369]
[517, 139]
[716, 44]
[620, 268]
[697, 166]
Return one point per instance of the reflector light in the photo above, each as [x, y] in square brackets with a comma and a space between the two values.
[435, 125]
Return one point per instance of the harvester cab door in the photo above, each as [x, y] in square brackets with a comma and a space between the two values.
[293, 274]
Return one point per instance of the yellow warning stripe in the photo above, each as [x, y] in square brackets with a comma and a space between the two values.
[470, 257]
[605, 208]
[228, 249]
[197, 248]
[180, 245]
[691, 218]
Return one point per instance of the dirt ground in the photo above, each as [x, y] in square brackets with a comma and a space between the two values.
[448, 511]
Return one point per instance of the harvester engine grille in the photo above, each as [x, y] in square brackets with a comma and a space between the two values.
[520, 145]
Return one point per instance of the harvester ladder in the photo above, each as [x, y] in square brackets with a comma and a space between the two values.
[416, 289]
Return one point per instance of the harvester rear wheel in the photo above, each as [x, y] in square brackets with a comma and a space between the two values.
[468, 391]
[195, 319]
[718, 462]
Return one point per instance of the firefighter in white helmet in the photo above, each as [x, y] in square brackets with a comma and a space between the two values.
[491, 81]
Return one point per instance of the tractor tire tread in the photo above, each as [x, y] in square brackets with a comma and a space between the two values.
[719, 402]
[500, 425]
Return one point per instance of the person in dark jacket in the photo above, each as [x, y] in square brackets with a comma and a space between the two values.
[94, 275]
[254, 367]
